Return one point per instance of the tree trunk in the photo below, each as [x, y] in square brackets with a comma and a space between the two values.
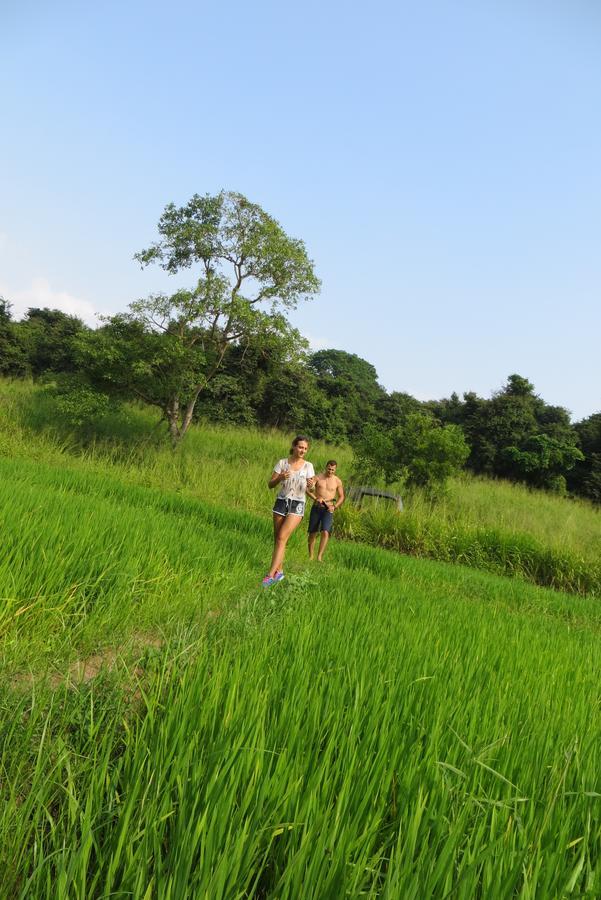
[187, 420]
[172, 414]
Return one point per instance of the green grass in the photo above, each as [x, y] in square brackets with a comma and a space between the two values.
[377, 726]
[562, 524]
[229, 465]
[275, 764]
[481, 547]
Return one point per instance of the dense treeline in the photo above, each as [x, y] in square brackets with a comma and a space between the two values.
[272, 379]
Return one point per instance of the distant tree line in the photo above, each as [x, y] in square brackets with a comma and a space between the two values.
[270, 378]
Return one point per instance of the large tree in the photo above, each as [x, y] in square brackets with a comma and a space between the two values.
[168, 348]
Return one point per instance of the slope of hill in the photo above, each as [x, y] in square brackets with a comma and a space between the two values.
[379, 726]
[496, 526]
[226, 463]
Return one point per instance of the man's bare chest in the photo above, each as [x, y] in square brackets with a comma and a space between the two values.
[327, 487]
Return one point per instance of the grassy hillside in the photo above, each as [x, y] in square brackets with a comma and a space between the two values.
[230, 464]
[378, 726]
[490, 525]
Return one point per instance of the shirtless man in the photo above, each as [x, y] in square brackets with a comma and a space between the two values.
[328, 494]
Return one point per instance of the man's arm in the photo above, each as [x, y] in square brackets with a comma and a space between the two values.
[340, 498]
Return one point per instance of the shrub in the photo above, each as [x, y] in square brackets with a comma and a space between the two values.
[78, 405]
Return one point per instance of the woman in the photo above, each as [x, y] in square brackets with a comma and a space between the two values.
[294, 476]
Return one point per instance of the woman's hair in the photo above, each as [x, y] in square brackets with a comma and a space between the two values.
[297, 440]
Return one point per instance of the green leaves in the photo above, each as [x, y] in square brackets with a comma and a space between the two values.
[228, 234]
[428, 452]
[13, 356]
[250, 272]
[188, 234]
[544, 456]
[420, 452]
[79, 405]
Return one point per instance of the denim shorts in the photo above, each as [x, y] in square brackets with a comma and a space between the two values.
[289, 507]
[321, 519]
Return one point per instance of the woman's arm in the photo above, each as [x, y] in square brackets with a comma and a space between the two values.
[277, 477]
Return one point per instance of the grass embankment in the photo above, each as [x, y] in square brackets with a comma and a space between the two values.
[379, 726]
[554, 522]
[490, 548]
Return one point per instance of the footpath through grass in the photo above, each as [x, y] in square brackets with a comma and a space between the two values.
[380, 726]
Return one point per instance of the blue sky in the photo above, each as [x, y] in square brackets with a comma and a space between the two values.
[440, 160]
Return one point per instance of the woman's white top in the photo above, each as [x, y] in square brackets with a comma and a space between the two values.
[295, 486]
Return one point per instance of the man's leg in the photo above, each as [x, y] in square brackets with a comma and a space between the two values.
[327, 520]
[314, 519]
[323, 543]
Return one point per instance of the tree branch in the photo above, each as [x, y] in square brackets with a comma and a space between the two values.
[164, 328]
[143, 396]
[260, 296]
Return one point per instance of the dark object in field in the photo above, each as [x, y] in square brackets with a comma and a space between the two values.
[356, 494]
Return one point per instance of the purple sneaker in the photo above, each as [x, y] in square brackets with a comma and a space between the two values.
[278, 576]
[268, 581]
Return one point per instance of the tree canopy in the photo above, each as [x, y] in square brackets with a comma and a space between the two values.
[420, 452]
[168, 348]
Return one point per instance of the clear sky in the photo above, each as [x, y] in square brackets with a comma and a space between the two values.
[441, 160]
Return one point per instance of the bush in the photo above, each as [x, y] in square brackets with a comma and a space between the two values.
[78, 405]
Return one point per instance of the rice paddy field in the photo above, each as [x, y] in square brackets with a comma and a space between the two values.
[376, 726]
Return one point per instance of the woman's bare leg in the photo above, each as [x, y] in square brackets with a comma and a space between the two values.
[289, 524]
[278, 521]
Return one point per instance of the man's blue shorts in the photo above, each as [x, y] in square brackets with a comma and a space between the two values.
[321, 519]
